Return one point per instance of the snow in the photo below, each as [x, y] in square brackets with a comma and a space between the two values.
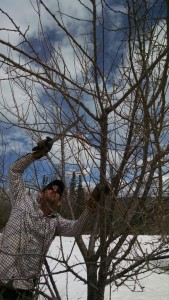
[155, 286]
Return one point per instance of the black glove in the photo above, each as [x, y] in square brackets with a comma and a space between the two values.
[95, 196]
[96, 192]
[42, 148]
[45, 145]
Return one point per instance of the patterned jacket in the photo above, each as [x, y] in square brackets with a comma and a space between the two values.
[28, 234]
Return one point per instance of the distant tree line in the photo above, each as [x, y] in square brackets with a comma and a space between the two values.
[76, 196]
[74, 204]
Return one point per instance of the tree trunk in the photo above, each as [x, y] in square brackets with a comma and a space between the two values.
[92, 281]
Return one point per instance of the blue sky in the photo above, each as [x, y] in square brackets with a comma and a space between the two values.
[28, 18]
[19, 141]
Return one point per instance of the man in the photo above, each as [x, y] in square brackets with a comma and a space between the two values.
[31, 227]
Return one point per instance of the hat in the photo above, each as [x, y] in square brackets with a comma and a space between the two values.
[57, 182]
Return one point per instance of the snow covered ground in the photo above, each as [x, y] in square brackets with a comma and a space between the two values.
[156, 287]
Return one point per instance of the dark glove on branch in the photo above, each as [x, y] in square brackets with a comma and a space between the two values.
[96, 192]
[42, 148]
[95, 196]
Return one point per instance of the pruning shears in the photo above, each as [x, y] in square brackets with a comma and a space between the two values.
[48, 142]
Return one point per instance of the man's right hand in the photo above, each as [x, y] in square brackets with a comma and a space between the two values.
[42, 148]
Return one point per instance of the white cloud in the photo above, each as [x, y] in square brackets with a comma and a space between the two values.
[28, 18]
[25, 15]
[22, 13]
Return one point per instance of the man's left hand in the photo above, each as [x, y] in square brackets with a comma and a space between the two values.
[95, 196]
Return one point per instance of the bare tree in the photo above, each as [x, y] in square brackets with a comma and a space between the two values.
[116, 86]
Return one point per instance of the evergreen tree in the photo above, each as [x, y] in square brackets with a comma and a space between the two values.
[80, 199]
[72, 190]
[68, 202]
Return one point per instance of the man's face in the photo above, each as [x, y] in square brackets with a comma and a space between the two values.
[50, 199]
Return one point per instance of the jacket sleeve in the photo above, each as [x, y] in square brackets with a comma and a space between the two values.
[17, 187]
[73, 228]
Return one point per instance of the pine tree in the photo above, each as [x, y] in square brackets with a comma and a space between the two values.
[72, 194]
[80, 199]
